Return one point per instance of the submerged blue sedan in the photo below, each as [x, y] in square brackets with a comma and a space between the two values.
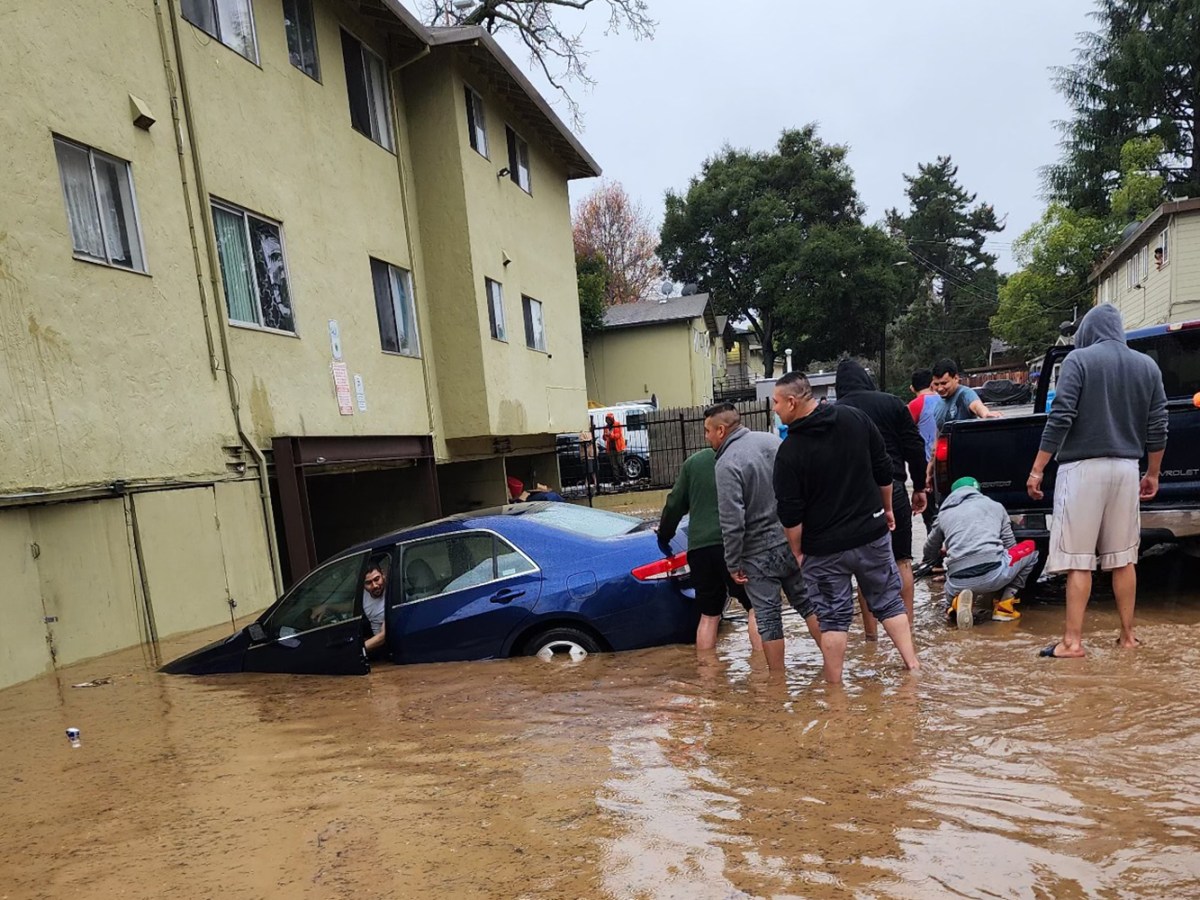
[538, 579]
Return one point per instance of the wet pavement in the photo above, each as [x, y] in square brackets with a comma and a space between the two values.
[650, 774]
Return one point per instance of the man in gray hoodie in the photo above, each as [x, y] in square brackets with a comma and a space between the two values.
[756, 549]
[1109, 409]
[982, 554]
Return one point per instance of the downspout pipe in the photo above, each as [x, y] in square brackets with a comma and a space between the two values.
[222, 328]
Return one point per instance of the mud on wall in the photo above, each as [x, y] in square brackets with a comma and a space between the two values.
[89, 577]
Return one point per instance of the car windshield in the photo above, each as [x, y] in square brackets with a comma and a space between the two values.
[583, 520]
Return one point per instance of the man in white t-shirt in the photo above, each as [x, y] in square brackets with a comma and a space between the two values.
[374, 588]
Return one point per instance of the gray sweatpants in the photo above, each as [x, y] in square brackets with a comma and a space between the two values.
[770, 572]
[1008, 578]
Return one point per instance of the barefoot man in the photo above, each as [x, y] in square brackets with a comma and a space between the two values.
[1109, 409]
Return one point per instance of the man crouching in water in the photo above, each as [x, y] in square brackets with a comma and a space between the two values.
[833, 484]
[756, 549]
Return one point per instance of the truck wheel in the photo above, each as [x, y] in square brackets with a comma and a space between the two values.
[634, 468]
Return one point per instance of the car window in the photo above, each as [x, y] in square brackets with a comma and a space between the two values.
[583, 520]
[327, 595]
[1178, 357]
[454, 562]
[635, 422]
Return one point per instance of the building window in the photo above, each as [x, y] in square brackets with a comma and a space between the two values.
[518, 160]
[253, 269]
[495, 305]
[301, 36]
[101, 208]
[230, 21]
[535, 325]
[476, 123]
[395, 310]
[1145, 258]
[1160, 251]
[366, 84]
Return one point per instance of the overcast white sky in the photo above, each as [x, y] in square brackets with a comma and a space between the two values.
[900, 82]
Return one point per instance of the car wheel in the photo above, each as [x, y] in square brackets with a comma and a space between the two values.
[634, 468]
[561, 643]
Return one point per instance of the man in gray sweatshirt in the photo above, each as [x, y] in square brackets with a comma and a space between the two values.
[1109, 409]
[756, 549]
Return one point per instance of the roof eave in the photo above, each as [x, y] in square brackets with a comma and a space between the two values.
[1166, 209]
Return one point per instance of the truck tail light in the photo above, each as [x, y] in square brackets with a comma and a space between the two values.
[672, 567]
[941, 466]
[941, 451]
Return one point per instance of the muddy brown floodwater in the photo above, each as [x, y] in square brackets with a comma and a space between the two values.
[648, 774]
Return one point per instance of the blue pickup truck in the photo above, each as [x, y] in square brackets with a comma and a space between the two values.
[999, 452]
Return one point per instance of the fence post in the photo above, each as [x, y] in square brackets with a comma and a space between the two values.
[683, 454]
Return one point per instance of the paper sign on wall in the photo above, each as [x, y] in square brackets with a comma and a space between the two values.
[360, 392]
[341, 384]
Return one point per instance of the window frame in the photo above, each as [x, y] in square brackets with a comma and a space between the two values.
[133, 224]
[1163, 244]
[400, 563]
[516, 166]
[527, 315]
[476, 121]
[488, 284]
[412, 301]
[233, 209]
[214, 5]
[387, 138]
[315, 75]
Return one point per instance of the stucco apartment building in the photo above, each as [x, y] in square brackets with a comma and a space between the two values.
[275, 276]
[1153, 275]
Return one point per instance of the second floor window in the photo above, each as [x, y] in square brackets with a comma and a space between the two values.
[98, 190]
[366, 83]
[518, 160]
[476, 123]
[535, 326]
[495, 301]
[230, 21]
[301, 36]
[253, 269]
[395, 309]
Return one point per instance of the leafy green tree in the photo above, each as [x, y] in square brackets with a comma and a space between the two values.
[1056, 255]
[776, 238]
[1137, 75]
[945, 230]
[592, 274]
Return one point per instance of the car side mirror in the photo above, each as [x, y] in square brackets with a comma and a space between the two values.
[256, 632]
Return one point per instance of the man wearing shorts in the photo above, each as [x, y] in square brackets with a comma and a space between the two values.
[833, 483]
[1109, 409]
[695, 494]
[904, 446]
[756, 549]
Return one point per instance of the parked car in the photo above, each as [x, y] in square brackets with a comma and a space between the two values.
[543, 579]
[570, 463]
[998, 452]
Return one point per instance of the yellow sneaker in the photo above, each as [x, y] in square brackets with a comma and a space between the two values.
[1003, 611]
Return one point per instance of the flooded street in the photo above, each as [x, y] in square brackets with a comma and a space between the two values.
[648, 774]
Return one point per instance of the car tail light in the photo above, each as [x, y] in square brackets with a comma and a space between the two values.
[672, 567]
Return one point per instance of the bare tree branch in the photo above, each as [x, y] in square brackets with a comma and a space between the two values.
[558, 52]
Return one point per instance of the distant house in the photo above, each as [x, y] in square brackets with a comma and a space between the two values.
[662, 348]
[1153, 276]
[738, 363]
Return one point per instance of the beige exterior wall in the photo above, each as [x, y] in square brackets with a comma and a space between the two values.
[1170, 294]
[472, 221]
[672, 360]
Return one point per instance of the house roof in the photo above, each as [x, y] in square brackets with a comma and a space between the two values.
[656, 312]
[504, 76]
[1134, 237]
[507, 80]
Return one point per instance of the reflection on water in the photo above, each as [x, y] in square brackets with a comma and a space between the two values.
[648, 774]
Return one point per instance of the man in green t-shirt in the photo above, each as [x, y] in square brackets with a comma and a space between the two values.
[695, 494]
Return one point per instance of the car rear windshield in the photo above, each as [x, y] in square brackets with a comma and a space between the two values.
[1178, 356]
[583, 520]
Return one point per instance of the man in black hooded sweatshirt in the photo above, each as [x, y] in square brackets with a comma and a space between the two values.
[904, 445]
[833, 486]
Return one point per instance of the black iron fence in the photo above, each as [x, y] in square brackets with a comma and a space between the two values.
[675, 434]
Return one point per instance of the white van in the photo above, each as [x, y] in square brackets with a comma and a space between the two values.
[637, 436]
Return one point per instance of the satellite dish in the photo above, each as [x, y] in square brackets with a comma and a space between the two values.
[666, 289]
[689, 289]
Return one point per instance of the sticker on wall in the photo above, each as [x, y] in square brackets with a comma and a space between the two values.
[335, 340]
[341, 385]
[360, 392]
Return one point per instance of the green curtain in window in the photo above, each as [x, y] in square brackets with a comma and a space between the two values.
[235, 266]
